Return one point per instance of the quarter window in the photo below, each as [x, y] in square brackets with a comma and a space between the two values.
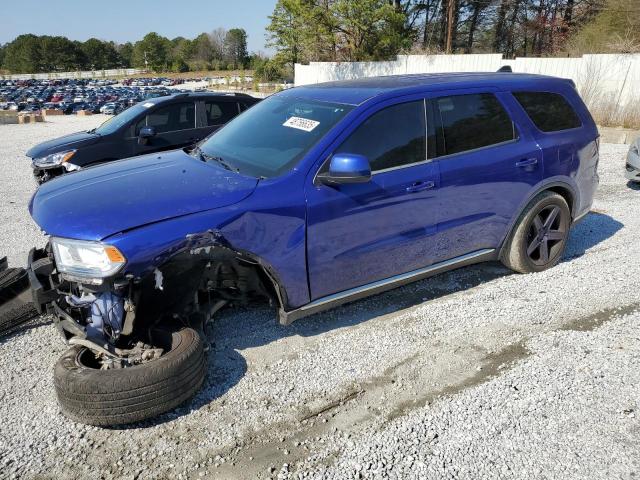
[178, 116]
[391, 137]
[219, 113]
[472, 121]
[550, 112]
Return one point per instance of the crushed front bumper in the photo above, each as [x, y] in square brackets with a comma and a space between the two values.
[42, 175]
[45, 295]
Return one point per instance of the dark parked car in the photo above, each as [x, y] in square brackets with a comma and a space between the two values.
[157, 124]
[316, 196]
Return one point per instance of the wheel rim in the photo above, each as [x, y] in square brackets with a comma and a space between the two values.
[546, 235]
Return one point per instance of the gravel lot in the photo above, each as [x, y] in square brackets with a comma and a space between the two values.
[477, 373]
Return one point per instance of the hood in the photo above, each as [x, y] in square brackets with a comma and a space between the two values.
[95, 203]
[74, 140]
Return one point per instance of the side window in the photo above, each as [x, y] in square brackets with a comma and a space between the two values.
[219, 113]
[179, 116]
[550, 112]
[391, 137]
[472, 121]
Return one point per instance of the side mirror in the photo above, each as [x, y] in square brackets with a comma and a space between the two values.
[145, 134]
[347, 168]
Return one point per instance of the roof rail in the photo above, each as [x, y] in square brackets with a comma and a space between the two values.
[180, 95]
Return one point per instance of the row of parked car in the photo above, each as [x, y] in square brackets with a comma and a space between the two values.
[71, 96]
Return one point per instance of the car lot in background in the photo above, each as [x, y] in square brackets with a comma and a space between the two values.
[67, 95]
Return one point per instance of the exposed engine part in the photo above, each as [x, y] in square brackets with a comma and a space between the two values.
[106, 313]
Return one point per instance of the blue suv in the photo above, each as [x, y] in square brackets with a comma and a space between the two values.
[317, 196]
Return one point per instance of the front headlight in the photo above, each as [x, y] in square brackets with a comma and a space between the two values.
[54, 159]
[84, 260]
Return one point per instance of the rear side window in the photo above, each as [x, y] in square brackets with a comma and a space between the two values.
[472, 121]
[550, 112]
[219, 113]
[391, 137]
[178, 116]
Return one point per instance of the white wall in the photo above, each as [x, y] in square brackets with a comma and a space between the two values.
[598, 77]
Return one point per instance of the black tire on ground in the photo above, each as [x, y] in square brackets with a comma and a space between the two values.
[520, 253]
[12, 277]
[15, 299]
[120, 396]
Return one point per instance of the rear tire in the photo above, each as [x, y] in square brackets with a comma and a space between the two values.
[540, 235]
[120, 396]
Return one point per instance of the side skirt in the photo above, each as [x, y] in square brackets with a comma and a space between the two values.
[353, 294]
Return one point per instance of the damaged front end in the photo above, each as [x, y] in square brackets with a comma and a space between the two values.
[115, 315]
[98, 315]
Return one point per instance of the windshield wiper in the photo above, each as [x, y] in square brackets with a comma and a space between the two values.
[206, 158]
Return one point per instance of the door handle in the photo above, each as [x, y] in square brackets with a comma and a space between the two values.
[529, 162]
[420, 186]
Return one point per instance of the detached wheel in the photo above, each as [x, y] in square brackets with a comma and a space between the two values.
[93, 396]
[540, 235]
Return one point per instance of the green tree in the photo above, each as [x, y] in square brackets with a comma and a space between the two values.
[100, 55]
[152, 52]
[286, 30]
[59, 54]
[181, 52]
[235, 46]
[125, 52]
[270, 70]
[339, 30]
[202, 52]
[370, 29]
[24, 54]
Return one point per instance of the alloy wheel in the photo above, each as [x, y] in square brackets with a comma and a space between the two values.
[546, 235]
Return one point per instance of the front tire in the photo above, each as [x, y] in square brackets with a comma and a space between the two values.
[540, 235]
[93, 396]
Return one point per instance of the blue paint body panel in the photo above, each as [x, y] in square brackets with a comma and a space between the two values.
[320, 239]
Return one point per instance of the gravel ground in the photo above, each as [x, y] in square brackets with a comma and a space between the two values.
[477, 373]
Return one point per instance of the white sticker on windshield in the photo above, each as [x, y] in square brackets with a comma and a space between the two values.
[301, 123]
[147, 105]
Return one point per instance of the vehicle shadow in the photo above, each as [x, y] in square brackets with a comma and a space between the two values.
[237, 329]
[594, 229]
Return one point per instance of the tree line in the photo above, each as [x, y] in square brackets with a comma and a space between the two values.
[347, 30]
[218, 50]
[301, 31]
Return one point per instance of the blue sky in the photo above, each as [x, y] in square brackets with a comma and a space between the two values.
[130, 20]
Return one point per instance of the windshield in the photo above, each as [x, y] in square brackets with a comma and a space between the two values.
[123, 118]
[273, 135]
